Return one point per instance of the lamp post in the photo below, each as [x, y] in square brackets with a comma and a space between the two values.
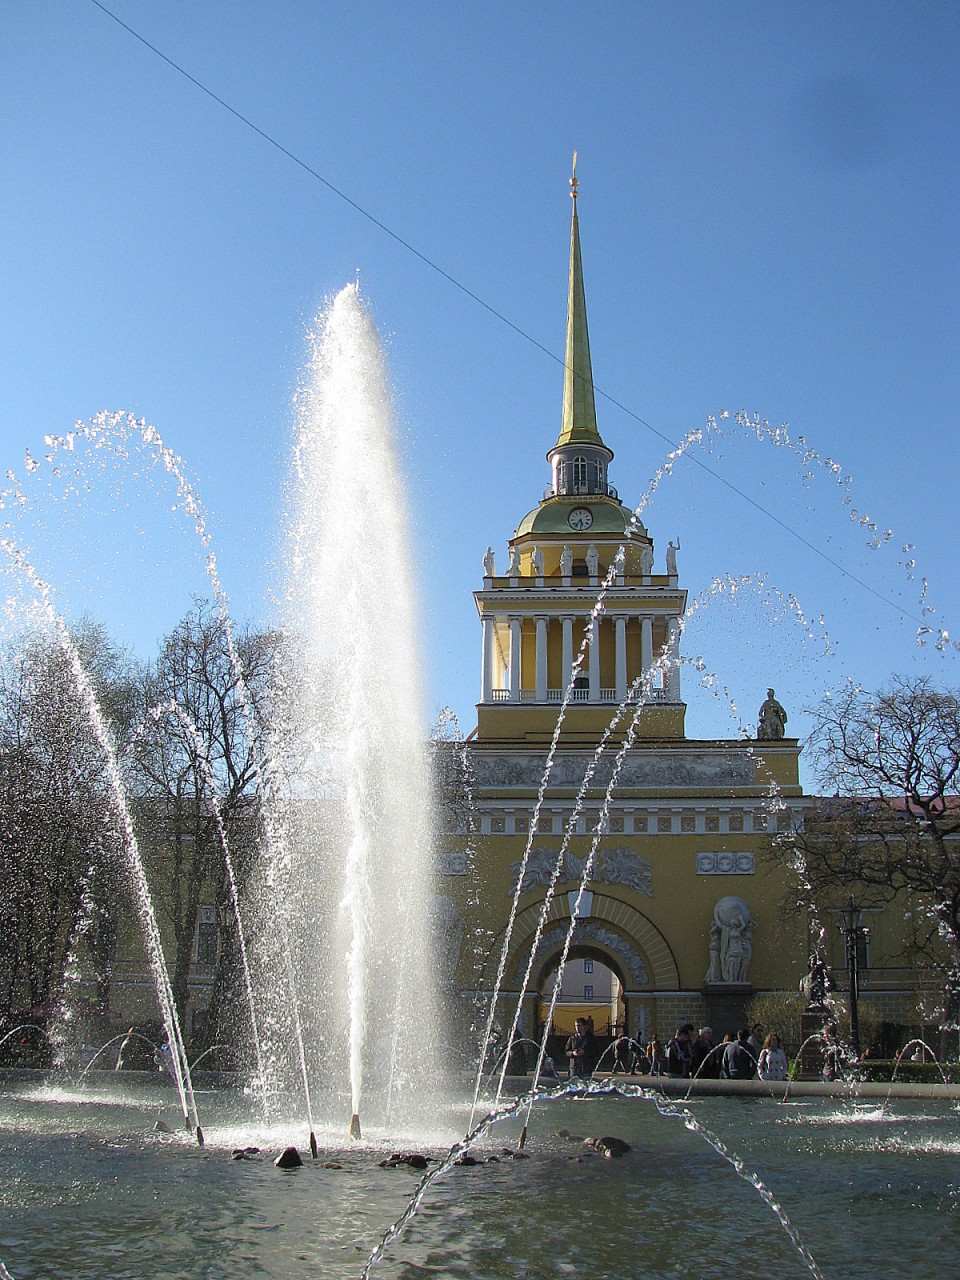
[854, 934]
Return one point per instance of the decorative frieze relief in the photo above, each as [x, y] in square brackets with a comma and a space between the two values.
[611, 866]
[595, 932]
[452, 864]
[725, 864]
[666, 769]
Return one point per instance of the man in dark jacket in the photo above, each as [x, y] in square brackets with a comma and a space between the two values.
[738, 1062]
[579, 1049]
[678, 1053]
[705, 1062]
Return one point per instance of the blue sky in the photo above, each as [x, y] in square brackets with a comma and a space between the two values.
[769, 199]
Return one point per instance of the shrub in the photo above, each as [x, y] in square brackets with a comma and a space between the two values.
[782, 1011]
[779, 1012]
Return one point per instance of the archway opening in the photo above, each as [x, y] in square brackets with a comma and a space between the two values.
[591, 989]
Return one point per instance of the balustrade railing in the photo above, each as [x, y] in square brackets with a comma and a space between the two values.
[607, 696]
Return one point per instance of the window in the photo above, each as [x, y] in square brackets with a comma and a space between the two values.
[207, 937]
[588, 966]
[579, 474]
[588, 992]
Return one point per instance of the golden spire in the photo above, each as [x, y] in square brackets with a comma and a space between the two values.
[579, 422]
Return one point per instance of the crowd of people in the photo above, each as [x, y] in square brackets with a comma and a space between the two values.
[746, 1055]
[693, 1053]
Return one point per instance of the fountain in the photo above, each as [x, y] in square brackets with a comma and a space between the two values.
[348, 879]
[343, 999]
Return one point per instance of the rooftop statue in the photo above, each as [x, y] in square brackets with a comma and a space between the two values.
[646, 560]
[773, 718]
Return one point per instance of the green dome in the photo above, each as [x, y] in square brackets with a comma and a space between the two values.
[551, 517]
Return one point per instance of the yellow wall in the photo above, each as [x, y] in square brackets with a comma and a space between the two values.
[668, 929]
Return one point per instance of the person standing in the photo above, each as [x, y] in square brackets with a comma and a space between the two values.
[772, 1063]
[655, 1056]
[756, 1042]
[623, 1056]
[705, 1058]
[738, 1062]
[580, 1050]
[678, 1053]
[833, 1061]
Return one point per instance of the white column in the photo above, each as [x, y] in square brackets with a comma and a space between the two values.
[646, 644]
[514, 659]
[673, 685]
[488, 623]
[594, 661]
[541, 674]
[566, 657]
[620, 624]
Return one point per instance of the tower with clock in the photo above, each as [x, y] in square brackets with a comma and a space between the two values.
[542, 629]
[580, 762]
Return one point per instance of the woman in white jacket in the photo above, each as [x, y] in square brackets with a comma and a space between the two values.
[772, 1063]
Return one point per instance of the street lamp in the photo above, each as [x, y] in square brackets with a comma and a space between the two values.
[855, 934]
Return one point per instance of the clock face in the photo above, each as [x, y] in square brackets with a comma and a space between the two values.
[580, 518]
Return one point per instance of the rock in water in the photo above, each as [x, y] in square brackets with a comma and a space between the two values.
[413, 1158]
[289, 1158]
[611, 1148]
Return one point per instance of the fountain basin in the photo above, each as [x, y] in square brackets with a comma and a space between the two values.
[92, 1189]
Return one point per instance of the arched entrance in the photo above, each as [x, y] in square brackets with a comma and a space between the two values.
[615, 934]
[590, 988]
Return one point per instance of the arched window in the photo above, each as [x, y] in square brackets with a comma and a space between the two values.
[580, 474]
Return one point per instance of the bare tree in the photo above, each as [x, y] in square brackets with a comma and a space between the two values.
[195, 770]
[891, 761]
[59, 835]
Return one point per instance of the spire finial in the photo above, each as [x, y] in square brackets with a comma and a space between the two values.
[579, 423]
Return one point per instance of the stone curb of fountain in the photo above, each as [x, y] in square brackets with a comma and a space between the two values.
[45, 1075]
[515, 1085]
[779, 1088]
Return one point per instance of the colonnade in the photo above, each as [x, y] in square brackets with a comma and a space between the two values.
[517, 688]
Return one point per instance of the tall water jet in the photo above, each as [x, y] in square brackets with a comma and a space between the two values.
[355, 889]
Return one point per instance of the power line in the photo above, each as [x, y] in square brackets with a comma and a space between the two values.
[491, 310]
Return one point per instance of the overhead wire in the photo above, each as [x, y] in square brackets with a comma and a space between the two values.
[490, 309]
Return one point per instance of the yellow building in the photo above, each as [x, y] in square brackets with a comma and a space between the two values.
[678, 903]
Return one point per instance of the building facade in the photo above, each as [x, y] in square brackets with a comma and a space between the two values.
[580, 756]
